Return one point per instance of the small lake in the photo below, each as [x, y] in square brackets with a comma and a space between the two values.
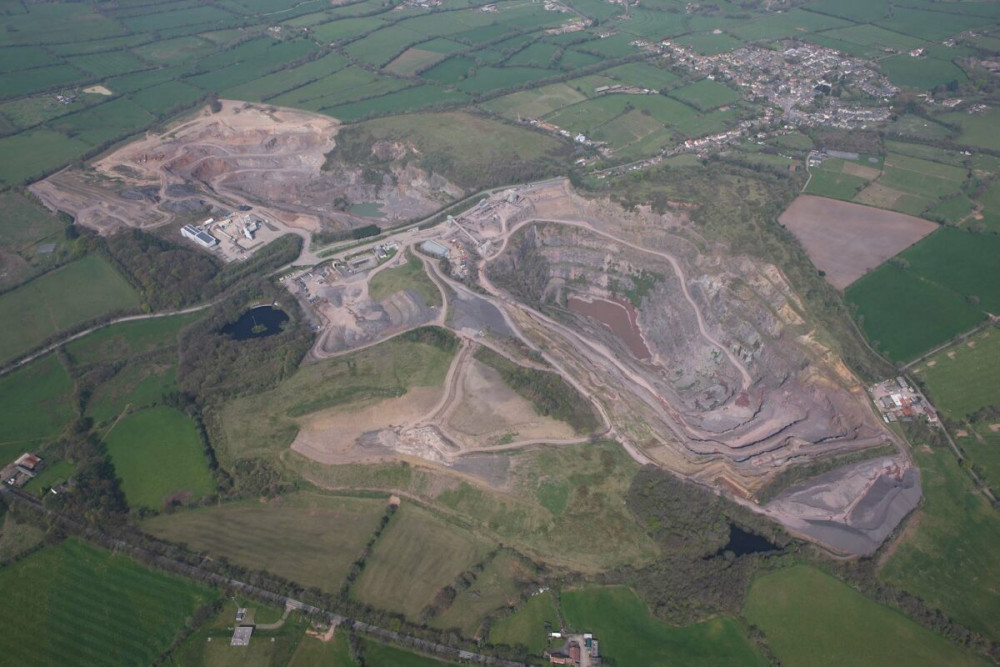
[258, 322]
[621, 318]
[368, 209]
[742, 543]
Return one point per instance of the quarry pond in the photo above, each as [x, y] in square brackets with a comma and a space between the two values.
[258, 322]
[621, 318]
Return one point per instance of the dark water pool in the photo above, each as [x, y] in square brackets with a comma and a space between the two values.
[742, 543]
[258, 322]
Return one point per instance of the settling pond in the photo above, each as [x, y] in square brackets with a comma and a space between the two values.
[258, 322]
[621, 318]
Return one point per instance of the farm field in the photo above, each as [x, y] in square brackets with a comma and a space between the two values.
[829, 181]
[127, 339]
[407, 99]
[705, 95]
[630, 635]
[312, 652]
[938, 288]
[382, 655]
[94, 608]
[61, 299]
[847, 240]
[41, 152]
[498, 586]
[416, 556]
[158, 455]
[308, 538]
[138, 385]
[962, 379]
[535, 103]
[24, 227]
[920, 73]
[977, 129]
[904, 316]
[36, 403]
[810, 618]
[529, 625]
[209, 646]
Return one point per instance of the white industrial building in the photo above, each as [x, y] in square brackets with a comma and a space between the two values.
[198, 236]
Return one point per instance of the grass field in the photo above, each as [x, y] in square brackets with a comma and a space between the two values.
[209, 646]
[920, 73]
[308, 538]
[409, 276]
[811, 619]
[266, 423]
[529, 625]
[963, 379]
[706, 94]
[962, 262]
[952, 558]
[535, 103]
[93, 608]
[158, 455]
[828, 180]
[381, 655]
[499, 585]
[630, 635]
[312, 652]
[127, 339]
[904, 315]
[61, 299]
[138, 385]
[16, 538]
[416, 556]
[40, 152]
[52, 474]
[977, 129]
[36, 403]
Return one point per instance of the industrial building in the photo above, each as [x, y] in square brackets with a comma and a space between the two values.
[434, 249]
[198, 236]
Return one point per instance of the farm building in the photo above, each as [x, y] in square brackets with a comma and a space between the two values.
[22, 470]
[434, 249]
[198, 236]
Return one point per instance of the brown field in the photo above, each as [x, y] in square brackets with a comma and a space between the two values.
[846, 240]
[880, 195]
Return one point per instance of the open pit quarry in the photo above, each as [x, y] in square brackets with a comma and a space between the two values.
[246, 157]
[698, 360]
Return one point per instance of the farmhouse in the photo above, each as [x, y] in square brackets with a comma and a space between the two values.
[24, 469]
[198, 236]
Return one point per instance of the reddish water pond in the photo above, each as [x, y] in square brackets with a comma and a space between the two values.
[621, 318]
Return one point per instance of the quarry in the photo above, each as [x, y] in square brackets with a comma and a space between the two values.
[694, 358]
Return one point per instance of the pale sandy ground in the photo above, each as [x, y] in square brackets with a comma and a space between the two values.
[330, 436]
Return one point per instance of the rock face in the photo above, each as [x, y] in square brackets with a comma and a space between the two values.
[736, 386]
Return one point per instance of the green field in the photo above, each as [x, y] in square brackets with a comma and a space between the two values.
[706, 94]
[16, 538]
[36, 403]
[416, 556]
[93, 608]
[535, 103]
[904, 315]
[409, 276]
[961, 379]
[498, 586]
[308, 538]
[977, 129]
[40, 152]
[811, 619]
[829, 181]
[138, 385]
[920, 73]
[316, 653]
[408, 99]
[381, 655]
[629, 634]
[267, 423]
[529, 625]
[952, 558]
[67, 297]
[127, 339]
[158, 455]
[209, 646]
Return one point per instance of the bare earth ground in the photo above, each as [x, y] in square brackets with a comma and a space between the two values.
[846, 240]
[249, 157]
